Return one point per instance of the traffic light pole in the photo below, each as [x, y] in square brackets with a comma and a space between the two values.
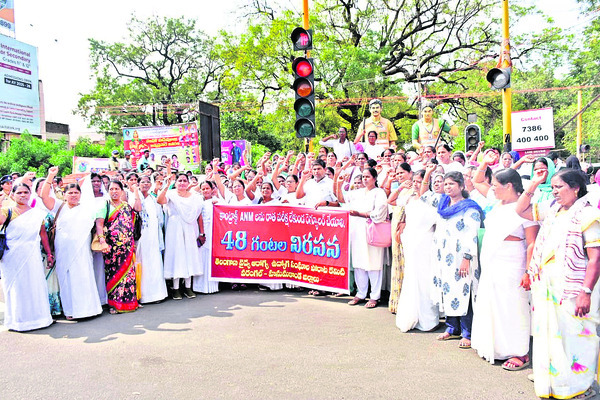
[507, 92]
[307, 142]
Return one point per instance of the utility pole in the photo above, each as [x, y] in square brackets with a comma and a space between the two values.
[499, 79]
[506, 92]
[305, 25]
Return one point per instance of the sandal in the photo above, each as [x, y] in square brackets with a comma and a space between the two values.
[112, 311]
[588, 394]
[317, 293]
[516, 363]
[464, 343]
[372, 304]
[447, 336]
[355, 301]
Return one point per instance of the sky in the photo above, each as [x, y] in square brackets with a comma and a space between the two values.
[60, 30]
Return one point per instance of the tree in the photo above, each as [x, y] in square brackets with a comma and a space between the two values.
[153, 78]
[28, 153]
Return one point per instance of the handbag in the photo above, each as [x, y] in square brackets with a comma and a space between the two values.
[379, 234]
[96, 245]
[52, 230]
[3, 243]
[137, 225]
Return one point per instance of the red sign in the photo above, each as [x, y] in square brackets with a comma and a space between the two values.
[281, 244]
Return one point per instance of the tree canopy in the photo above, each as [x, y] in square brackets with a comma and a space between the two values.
[398, 50]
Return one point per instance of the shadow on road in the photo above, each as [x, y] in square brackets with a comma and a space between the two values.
[166, 316]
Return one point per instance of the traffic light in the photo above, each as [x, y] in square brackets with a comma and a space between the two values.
[304, 91]
[302, 39]
[499, 78]
[472, 137]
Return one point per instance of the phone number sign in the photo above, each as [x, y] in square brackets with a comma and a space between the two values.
[533, 129]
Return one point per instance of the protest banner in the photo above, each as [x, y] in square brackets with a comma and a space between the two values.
[179, 143]
[231, 151]
[88, 164]
[281, 244]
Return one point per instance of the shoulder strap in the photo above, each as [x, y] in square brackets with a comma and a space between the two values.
[107, 210]
[58, 212]
[6, 221]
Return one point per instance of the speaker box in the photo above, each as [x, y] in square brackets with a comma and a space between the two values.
[210, 131]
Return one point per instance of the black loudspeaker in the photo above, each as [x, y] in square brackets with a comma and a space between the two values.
[210, 131]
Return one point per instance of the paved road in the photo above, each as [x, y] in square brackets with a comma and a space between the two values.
[255, 345]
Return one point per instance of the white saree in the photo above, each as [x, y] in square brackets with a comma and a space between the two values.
[23, 278]
[501, 321]
[153, 286]
[74, 263]
[182, 258]
[415, 308]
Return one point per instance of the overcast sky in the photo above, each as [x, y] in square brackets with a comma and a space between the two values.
[60, 31]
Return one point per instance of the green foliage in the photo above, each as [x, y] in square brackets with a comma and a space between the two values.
[363, 50]
[258, 150]
[27, 153]
[153, 77]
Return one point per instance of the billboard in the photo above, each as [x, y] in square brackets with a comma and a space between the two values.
[19, 91]
[88, 164]
[179, 143]
[231, 151]
[7, 15]
[533, 129]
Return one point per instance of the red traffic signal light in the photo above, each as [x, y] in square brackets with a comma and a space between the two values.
[302, 67]
[302, 39]
[304, 92]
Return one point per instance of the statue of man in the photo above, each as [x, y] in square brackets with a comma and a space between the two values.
[426, 130]
[386, 134]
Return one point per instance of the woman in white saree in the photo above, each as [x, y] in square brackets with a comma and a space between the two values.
[74, 265]
[415, 308]
[501, 322]
[153, 287]
[182, 258]
[202, 283]
[23, 279]
[94, 195]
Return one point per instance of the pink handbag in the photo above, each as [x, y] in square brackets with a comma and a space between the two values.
[379, 234]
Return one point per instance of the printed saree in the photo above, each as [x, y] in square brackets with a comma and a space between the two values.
[119, 262]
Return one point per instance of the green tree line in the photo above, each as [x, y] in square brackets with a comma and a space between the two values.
[395, 50]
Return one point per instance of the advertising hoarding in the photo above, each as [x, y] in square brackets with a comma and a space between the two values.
[19, 91]
[179, 143]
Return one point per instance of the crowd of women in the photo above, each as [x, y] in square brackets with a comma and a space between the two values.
[499, 248]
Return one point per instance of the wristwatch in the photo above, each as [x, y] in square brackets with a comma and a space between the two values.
[586, 290]
[467, 256]
[202, 235]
